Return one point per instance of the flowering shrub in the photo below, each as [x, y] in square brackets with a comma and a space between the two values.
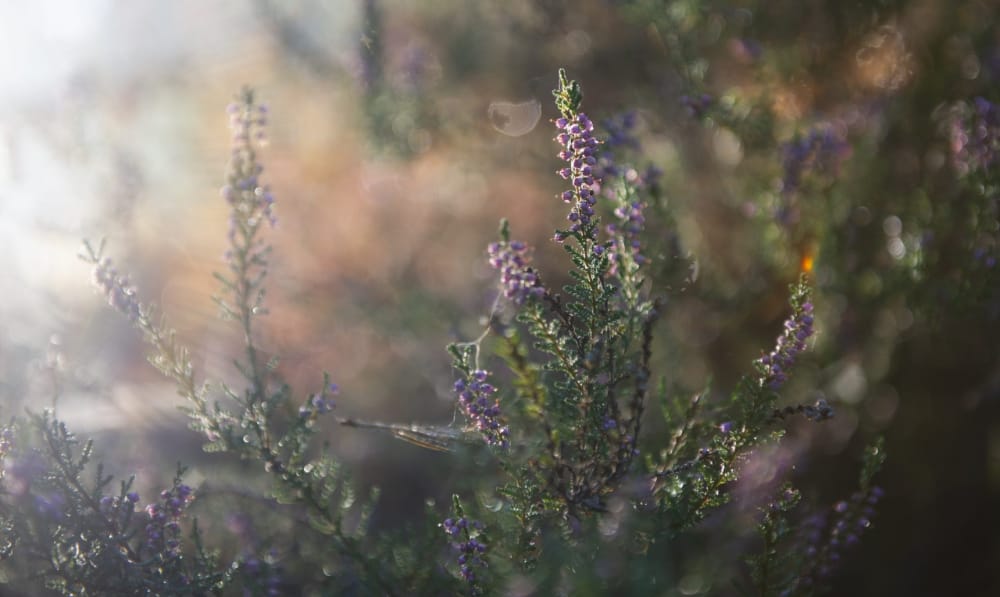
[583, 494]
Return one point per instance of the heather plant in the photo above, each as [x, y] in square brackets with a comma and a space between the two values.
[974, 134]
[574, 493]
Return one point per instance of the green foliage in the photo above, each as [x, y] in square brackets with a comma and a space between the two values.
[66, 529]
[575, 509]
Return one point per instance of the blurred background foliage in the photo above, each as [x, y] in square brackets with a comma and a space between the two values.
[792, 136]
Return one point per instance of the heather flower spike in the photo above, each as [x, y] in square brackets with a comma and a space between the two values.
[580, 374]
[822, 149]
[467, 540]
[475, 396]
[512, 259]
[579, 151]
[163, 531]
[773, 367]
[116, 287]
[975, 136]
[826, 535]
[321, 402]
[244, 190]
[628, 229]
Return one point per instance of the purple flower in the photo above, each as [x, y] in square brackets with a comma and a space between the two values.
[579, 148]
[263, 574]
[774, 366]
[244, 193]
[623, 180]
[475, 395]
[519, 280]
[975, 136]
[826, 535]
[697, 106]
[163, 530]
[820, 411]
[628, 229]
[470, 549]
[822, 150]
[619, 135]
[117, 289]
[320, 404]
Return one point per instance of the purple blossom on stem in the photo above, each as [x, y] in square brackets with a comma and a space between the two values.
[117, 508]
[620, 130]
[579, 148]
[249, 199]
[620, 183]
[822, 149]
[163, 530]
[697, 105]
[262, 572]
[475, 395]
[117, 289]
[470, 549]
[519, 280]
[263, 575]
[820, 411]
[631, 222]
[322, 403]
[975, 136]
[826, 535]
[773, 367]
[618, 135]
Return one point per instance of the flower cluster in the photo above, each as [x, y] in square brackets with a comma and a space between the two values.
[619, 134]
[470, 548]
[322, 403]
[985, 256]
[581, 372]
[475, 395]
[798, 328]
[163, 530]
[519, 280]
[264, 575]
[826, 537]
[697, 105]
[117, 288]
[579, 148]
[121, 508]
[629, 227]
[975, 136]
[247, 121]
[619, 137]
[821, 150]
